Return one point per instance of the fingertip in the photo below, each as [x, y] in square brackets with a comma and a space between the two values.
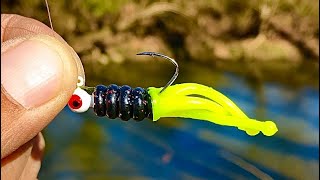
[37, 69]
[20, 123]
[35, 88]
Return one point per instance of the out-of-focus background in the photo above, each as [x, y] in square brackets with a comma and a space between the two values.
[264, 55]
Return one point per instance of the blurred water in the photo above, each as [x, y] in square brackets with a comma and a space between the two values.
[83, 146]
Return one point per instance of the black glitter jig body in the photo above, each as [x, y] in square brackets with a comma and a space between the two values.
[122, 102]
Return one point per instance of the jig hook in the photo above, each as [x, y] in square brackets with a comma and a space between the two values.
[176, 73]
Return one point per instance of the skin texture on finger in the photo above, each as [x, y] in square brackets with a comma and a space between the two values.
[20, 124]
[13, 165]
[33, 165]
[25, 162]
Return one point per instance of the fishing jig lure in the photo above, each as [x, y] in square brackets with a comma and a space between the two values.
[187, 100]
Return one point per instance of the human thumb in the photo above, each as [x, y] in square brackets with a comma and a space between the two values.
[38, 76]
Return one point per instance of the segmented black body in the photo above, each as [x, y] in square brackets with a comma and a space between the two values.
[123, 102]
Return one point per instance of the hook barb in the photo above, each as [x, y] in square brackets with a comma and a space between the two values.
[176, 73]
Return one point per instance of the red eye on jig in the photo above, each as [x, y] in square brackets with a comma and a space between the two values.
[75, 102]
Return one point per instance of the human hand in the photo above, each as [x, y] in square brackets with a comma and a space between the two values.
[39, 73]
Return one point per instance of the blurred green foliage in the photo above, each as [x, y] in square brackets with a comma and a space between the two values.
[99, 8]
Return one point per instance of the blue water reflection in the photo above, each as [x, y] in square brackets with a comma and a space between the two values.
[82, 146]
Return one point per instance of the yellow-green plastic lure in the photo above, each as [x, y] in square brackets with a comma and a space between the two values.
[187, 100]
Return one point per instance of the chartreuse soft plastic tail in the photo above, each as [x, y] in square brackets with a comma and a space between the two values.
[191, 100]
